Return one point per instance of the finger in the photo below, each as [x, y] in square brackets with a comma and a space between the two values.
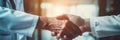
[54, 33]
[70, 30]
[66, 39]
[65, 34]
[60, 34]
[62, 17]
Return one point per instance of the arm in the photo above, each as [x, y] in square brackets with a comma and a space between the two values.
[100, 26]
[12, 21]
[105, 26]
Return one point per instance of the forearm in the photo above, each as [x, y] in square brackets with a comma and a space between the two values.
[87, 25]
[42, 22]
[105, 26]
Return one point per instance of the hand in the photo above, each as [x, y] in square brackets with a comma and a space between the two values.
[50, 23]
[69, 31]
[75, 23]
[56, 25]
[73, 18]
[83, 24]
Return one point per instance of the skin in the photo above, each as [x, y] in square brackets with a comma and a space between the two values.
[66, 26]
[74, 27]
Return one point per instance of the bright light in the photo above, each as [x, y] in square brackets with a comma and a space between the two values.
[46, 5]
[85, 11]
[55, 11]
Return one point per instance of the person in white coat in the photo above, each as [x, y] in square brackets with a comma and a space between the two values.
[15, 24]
[99, 26]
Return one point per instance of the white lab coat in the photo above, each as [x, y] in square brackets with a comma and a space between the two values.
[15, 25]
[105, 26]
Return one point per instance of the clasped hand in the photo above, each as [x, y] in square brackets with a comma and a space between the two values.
[64, 26]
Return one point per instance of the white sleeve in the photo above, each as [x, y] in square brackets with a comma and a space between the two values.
[105, 26]
[12, 21]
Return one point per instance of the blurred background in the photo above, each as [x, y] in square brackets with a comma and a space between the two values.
[83, 8]
[53, 8]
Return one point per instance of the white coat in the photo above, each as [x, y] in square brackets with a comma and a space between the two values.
[16, 25]
[105, 26]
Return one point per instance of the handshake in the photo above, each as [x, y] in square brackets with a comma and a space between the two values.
[66, 26]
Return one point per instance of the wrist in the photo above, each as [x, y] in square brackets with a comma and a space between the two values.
[87, 25]
[42, 22]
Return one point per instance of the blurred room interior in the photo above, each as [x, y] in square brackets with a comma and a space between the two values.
[83, 8]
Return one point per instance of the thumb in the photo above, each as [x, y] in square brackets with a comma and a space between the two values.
[62, 17]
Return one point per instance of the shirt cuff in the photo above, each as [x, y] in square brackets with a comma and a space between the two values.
[93, 24]
[35, 20]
